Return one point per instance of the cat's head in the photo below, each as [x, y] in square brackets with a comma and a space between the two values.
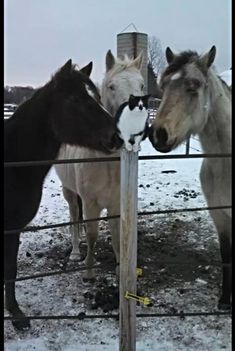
[138, 102]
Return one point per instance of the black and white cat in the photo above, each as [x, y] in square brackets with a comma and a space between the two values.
[131, 119]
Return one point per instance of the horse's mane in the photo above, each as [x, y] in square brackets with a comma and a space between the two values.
[45, 90]
[46, 87]
[180, 60]
[121, 64]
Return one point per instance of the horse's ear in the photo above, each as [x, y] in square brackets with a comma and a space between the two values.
[63, 72]
[138, 60]
[208, 58]
[110, 60]
[67, 68]
[87, 69]
[169, 55]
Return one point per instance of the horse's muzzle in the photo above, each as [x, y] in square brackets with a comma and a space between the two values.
[158, 139]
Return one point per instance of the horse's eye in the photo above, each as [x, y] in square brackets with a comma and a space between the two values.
[142, 86]
[162, 83]
[98, 98]
[161, 86]
[111, 87]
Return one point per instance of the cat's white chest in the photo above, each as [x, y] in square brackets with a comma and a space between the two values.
[132, 124]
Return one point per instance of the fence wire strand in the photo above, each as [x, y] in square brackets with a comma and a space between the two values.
[83, 315]
[109, 159]
[146, 271]
[144, 213]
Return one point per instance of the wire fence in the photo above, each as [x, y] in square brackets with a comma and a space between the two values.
[147, 271]
[110, 159]
[83, 315]
[144, 213]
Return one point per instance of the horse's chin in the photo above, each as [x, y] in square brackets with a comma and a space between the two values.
[165, 148]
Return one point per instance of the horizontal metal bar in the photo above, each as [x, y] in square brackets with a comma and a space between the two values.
[82, 315]
[48, 274]
[146, 271]
[145, 213]
[109, 159]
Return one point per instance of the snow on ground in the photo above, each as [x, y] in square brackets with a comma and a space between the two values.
[163, 184]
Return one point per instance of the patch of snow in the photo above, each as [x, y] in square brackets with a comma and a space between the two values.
[200, 281]
[27, 345]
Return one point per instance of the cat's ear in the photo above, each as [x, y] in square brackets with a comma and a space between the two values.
[146, 97]
[131, 97]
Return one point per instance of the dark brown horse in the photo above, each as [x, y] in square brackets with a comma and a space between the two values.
[65, 110]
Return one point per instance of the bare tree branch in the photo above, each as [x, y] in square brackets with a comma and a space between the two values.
[156, 57]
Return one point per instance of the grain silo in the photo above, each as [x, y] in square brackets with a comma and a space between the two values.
[132, 43]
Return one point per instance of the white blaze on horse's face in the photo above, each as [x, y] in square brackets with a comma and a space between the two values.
[177, 75]
[91, 93]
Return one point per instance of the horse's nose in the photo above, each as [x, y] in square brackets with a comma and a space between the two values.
[161, 136]
[160, 139]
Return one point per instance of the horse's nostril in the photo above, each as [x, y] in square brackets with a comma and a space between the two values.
[161, 136]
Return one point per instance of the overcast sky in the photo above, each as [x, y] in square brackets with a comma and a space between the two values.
[40, 35]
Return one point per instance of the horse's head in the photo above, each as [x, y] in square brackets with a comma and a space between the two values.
[185, 102]
[77, 115]
[122, 78]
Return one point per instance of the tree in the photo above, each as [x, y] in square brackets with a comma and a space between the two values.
[153, 87]
[17, 94]
[156, 57]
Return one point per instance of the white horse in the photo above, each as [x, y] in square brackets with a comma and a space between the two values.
[196, 101]
[98, 184]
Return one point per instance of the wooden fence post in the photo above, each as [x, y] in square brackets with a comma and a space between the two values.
[128, 249]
